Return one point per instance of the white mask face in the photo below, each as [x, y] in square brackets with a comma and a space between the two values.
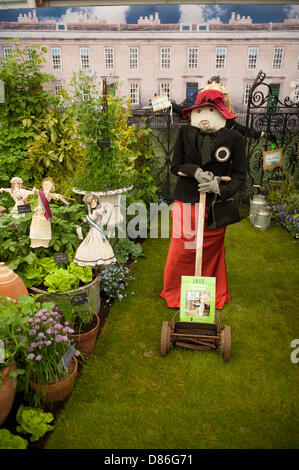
[207, 119]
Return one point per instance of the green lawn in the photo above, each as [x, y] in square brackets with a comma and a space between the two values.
[129, 397]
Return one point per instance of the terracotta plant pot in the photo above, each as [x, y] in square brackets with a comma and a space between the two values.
[11, 285]
[7, 393]
[59, 391]
[85, 342]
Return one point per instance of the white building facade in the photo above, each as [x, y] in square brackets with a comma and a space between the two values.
[150, 58]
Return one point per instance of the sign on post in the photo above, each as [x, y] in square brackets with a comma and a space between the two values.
[160, 102]
[272, 159]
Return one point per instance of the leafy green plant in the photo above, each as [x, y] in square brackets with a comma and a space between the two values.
[61, 280]
[103, 119]
[11, 441]
[55, 150]
[124, 249]
[34, 421]
[56, 276]
[25, 97]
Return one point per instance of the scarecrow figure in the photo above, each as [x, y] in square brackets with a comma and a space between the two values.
[19, 195]
[40, 228]
[95, 250]
[203, 152]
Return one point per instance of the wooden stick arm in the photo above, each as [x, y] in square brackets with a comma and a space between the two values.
[222, 178]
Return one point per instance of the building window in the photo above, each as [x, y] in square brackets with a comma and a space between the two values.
[57, 88]
[246, 92]
[165, 57]
[165, 89]
[202, 27]
[109, 57]
[84, 58]
[60, 26]
[295, 94]
[252, 58]
[221, 57]
[56, 58]
[133, 58]
[185, 27]
[193, 58]
[277, 58]
[134, 93]
[7, 52]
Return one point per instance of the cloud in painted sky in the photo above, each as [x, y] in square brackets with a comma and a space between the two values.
[292, 11]
[200, 13]
[112, 15]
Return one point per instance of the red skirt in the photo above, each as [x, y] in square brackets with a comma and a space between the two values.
[182, 252]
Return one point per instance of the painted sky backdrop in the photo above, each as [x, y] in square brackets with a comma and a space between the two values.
[260, 13]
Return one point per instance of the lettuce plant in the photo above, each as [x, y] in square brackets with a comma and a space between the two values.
[33, 421]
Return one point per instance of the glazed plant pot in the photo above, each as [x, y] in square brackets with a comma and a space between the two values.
[85, 342]
[53, 393]
[7, 393]
[11, 285]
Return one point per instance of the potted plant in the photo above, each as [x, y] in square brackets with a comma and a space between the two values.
[85, 324]
[14, 321]
[50, 356]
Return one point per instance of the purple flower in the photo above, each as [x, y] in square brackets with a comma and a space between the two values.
[38, 358]
[77, 353]
[58, 338]
[41, 335]
[33, 345]
[48, 343]
[49, 331]
[30, 356]
[32, 332]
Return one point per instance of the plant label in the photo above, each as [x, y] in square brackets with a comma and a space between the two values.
[104, 143]
[24, 208]
[79, 299]
[61, 258]
[63, 363]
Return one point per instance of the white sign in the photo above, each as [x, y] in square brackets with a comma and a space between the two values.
[160, 102]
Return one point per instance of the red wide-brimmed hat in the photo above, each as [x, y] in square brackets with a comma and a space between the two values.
[210, 98]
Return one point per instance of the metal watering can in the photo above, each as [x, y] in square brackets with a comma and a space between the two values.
[261, 218]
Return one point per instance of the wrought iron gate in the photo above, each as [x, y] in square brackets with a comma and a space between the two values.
[266, 112]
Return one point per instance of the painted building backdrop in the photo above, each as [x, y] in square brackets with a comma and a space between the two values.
[151, 56]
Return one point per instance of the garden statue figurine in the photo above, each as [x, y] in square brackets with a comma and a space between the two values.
[95, 249]
[19, 195]
[203, 152]
[40, 228]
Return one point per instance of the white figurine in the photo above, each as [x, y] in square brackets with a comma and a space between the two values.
[40, 228]
[19, 195]
[95, 250]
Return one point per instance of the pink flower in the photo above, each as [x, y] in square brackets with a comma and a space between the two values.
[38, 358]
[30, 356]
[48, 342]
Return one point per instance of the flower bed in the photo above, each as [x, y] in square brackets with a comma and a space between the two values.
[288, 219]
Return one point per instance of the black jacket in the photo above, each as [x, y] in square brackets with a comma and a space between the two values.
[187, 158]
